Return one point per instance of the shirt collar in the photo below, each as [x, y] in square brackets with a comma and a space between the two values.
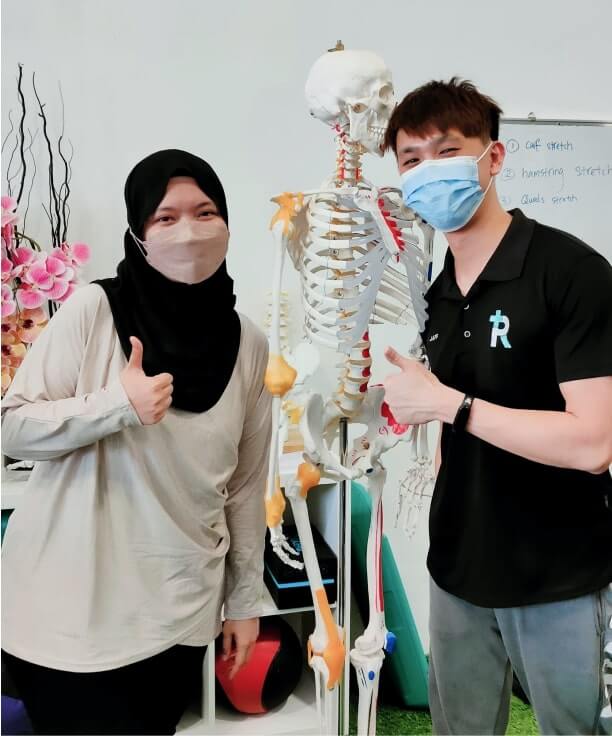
[507, 260]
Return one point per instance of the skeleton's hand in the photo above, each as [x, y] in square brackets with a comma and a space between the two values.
[150, 397]
[416, 396]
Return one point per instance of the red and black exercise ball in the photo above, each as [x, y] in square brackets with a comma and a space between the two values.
[272, 673]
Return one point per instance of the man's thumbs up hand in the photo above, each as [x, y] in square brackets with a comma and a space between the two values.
[415, 396]
[396, 359]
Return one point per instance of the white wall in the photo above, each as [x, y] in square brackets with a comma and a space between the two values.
[225, 80]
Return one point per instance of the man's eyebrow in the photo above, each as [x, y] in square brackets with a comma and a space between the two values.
[444, 137]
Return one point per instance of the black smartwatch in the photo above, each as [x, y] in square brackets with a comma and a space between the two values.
[463, 414]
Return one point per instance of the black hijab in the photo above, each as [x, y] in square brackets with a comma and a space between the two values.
[189, 330]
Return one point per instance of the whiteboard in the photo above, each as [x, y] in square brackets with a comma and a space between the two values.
[560, 173]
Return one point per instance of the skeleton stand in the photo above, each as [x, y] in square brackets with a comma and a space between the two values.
[344, 579]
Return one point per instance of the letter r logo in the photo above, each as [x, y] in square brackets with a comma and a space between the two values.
[499, 329]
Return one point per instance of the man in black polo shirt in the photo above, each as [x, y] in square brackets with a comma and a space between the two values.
[519, 340]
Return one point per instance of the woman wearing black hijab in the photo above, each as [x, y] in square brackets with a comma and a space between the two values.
[143, 402]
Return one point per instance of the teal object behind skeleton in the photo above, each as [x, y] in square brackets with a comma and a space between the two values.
[5, 519]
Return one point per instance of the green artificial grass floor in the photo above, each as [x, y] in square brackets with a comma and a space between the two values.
[393, 719]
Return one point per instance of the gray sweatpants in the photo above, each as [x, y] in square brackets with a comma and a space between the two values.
[556, 650]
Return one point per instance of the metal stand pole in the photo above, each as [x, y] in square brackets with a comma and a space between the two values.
[344, 581]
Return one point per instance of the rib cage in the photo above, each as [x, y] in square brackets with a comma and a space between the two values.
[349, 281]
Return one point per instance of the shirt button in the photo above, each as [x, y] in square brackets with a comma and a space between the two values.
[467, 306]
[467, 333]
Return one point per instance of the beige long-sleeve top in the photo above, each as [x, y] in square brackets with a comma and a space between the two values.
[129, 538]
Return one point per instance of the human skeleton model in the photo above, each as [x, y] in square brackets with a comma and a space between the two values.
[363, 258]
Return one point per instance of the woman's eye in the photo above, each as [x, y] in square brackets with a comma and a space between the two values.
[164, 218]
[411, 162]
[208, 213]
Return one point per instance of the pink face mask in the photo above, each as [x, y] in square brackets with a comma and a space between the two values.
[187, 252]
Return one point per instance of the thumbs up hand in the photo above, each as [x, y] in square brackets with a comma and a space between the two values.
[415, 395]
[150, 397]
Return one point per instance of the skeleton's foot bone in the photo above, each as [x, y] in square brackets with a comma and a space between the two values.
[416, 486]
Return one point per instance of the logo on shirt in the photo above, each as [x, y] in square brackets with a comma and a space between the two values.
[500, 326]
[433, 338]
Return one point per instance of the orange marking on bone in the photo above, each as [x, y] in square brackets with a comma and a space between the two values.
[280, 376]
[293, 411]
[309, 476]
[288, 206]
[334, 653]
[275, 506]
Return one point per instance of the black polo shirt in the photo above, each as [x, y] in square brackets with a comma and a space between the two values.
[506, 531]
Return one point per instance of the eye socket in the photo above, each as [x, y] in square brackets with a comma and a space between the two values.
[386, 92]
[359, 107]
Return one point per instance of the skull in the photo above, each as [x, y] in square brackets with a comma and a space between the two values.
[353, 90]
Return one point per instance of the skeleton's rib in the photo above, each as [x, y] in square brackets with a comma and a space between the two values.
[392, 316]
[390, 281]
[389, 298]
[326, 261]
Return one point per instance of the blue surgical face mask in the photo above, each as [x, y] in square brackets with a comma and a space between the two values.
[445, 192]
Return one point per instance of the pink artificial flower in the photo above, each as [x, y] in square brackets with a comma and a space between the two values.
[9, 325]
[62, 253]
[8, 301]
[22, 258]
[9, 216]
[8, 236]
[8, 373]
[13, 354]
[57, 267]
[30, 324]
[7, 268]
[29, 297]
[49, 275]
[80, 252]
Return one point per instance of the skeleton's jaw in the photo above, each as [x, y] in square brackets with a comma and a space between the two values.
[376, 134]
[361, 138]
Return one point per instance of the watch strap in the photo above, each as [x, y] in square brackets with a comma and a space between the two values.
[463, 414]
